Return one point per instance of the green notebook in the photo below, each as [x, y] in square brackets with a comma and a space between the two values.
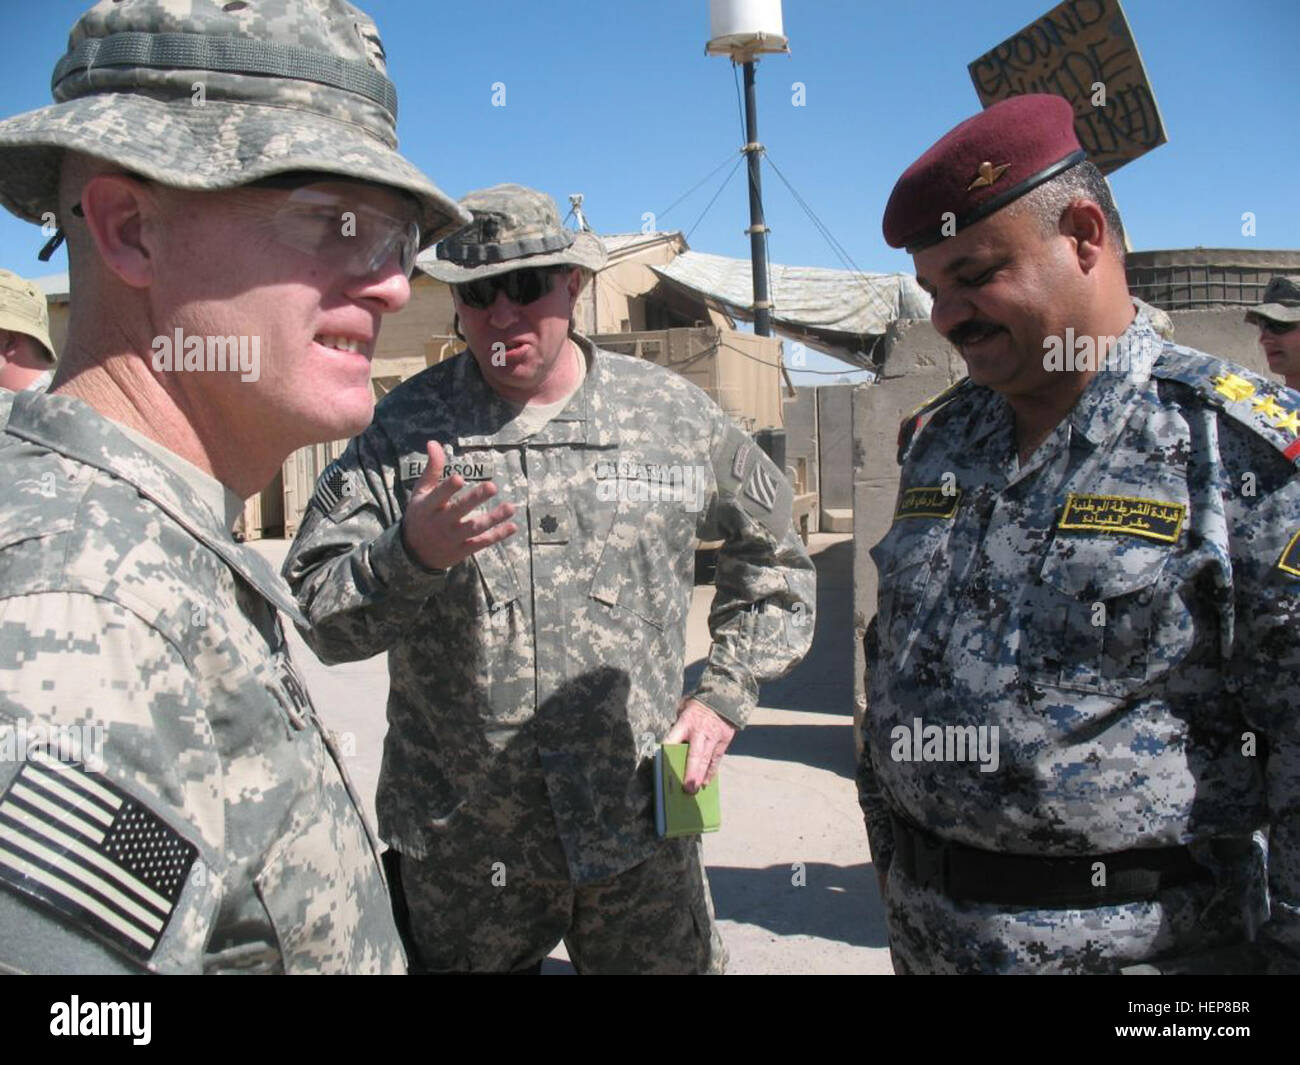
[676, 813]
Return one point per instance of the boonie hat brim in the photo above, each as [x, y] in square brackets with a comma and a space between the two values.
[220, 145]
[586, 251]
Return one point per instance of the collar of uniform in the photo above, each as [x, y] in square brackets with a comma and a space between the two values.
[224, 504]
[1102, 408]
[490, 420]
[73, 428]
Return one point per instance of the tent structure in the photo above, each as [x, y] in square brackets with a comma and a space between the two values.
[839, 311]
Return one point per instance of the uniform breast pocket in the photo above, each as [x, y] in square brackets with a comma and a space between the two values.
[1090, 617]
[644, 574]
[904, 564]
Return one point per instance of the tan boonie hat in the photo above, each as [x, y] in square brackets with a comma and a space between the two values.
[1281, 301]
[205, 94]
[514, 228]
[23, 309]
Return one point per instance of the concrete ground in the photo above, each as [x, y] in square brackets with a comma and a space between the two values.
[792, 880]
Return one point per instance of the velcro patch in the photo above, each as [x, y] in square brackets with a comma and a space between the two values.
[471, 467]
[927, 501]
[761, 487]
[1290, 560]
[82, 847]
[1152, 519]
[334, 485]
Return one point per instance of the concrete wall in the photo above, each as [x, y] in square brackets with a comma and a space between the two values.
[835, 454]
[920, 364]
[801, 442]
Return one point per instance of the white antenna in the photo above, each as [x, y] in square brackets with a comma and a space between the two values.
[575, 209]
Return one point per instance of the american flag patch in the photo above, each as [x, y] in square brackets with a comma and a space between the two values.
[332, 487]
[87, 850]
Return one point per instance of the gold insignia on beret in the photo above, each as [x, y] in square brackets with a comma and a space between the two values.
[988, 173]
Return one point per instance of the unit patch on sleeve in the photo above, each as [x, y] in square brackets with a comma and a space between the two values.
[1152, 519]
[79, 845]
[927, 501]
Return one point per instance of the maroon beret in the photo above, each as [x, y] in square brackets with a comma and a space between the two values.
[980, 166]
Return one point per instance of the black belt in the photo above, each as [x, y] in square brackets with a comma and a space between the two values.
[968, 874]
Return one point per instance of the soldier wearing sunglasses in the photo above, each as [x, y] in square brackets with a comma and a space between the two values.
[536, 646]
[1278, 318]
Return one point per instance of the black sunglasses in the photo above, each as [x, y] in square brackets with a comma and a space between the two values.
[520, 286]
[1276, 328]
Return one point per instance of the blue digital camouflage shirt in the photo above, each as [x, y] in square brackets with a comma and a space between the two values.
[1112, 633]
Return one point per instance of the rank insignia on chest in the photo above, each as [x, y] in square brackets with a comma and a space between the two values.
[1151, 519]
[928, 501]
[1290, 560]
[550, 523]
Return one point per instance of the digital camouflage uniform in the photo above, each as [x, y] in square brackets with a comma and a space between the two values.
[126, 606]
[1123, 608]
[532, 683]
[193, 815]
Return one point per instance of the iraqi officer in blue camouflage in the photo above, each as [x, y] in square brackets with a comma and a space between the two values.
[535, 649]
[238, 222]
[1084, 670]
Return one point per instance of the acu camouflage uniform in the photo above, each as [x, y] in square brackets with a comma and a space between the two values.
[532, 682]
[126, 606]
[221, 834]
[1124, 608]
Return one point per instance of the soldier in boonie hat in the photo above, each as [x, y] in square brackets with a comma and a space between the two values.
[238, 222]
[1278, 318]
[26, 353]
[203, 95]
[514, 228]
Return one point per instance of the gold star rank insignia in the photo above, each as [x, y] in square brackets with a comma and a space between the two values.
[1269, 407]
[1233, 386]
[1290, 420]
[988, 173]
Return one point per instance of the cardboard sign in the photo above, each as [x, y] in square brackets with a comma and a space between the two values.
[1084, 51]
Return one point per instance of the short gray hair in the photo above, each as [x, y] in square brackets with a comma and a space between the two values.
[1081, 182]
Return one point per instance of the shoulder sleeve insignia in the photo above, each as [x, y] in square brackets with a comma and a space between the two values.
[928, 501]
[80, 846]
[337, 493]
[1269, 410]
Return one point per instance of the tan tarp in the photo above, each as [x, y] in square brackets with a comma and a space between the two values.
[839, 311]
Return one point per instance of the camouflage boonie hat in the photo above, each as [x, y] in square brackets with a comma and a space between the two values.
[206, 95]
[1281, 301]
[23, 309]
[514, 228]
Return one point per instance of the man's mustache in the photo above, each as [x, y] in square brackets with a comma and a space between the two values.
[970, 332]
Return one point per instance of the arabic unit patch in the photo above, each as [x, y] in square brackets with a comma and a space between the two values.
[1152, 519]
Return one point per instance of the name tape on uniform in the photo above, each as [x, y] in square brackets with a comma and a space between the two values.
[928, 501]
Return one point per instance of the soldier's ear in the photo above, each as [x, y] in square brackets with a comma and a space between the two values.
[1084, 222]
[121, 216]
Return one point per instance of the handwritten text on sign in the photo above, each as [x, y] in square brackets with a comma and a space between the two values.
[1071, 51]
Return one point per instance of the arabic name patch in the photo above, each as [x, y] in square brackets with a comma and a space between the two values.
[928, 501]
[1151, 519]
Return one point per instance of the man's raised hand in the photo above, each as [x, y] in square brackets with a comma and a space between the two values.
[438, 527]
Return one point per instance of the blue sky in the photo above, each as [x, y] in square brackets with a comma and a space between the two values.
[617, 100]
